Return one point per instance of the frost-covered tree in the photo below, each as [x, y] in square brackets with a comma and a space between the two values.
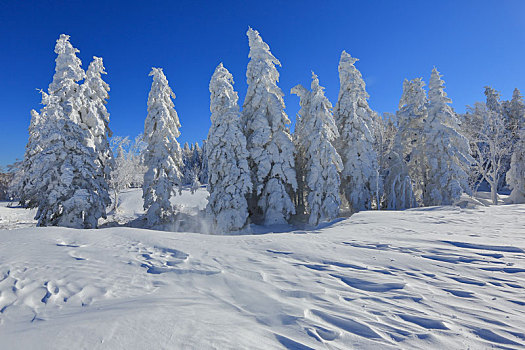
[410, 139]
[498, 109]
[197, 167]
[229, 176]
[514, 111]
[15, 176]
[94, 114]
[317, 161]
[27, 180]
[187, 165]
[135, 156]
[269, 143]
[514, 116]
[489, 144]
[516, 173]
[119, 176]
[163, 156]
[192, 164]
[5, 179]
[354, 119]
[128, 171]
[203, 172]
[69, 182]
[396, 183]
[447, 152]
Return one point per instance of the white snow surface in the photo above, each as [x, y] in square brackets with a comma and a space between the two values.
[438, 277]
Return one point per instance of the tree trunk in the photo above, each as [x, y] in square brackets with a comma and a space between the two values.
[115, 201]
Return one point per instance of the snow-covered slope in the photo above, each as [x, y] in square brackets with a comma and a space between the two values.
[436, 277]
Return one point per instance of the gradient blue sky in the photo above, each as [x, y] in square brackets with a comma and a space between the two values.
[472, 43]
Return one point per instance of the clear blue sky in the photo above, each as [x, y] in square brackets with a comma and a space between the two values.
[472, 43]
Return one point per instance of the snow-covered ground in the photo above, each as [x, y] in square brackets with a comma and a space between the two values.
[440, 278]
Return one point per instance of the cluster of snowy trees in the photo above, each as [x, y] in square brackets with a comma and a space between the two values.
[194, 171]
[347, 158]
[495, 130]
[129, 169]
[68, 160]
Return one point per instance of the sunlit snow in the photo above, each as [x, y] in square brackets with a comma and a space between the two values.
[437, 277]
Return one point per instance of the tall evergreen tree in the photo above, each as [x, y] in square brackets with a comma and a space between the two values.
[514, 111]
[28, 197]
[163, 156]
[229, 176]
[397, 185]
[318, 163]
[72, 190]
[269, 143]
[95, 115]
[516, 173]
[354, 119]
[410, 139]
[447, 150]
[497, 109]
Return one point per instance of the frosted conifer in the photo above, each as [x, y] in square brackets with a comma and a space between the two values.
[163, 156]
[71, 187]
[447, 150]
[515, 113]
[410, 139]
[318, 163]
[269, 143]
[354, 119]
[516, 173]
[95, 115]
[26, 185]
[229, 175]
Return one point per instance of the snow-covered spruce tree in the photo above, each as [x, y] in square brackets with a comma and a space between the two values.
[15, 176]
[69, 183]
[95, 116]
[396, 184]
[120, 176]
[516, 173]
[447, 150]
[410, 139]
[514, 111]
[25, 186]
[187, 165]
[318, 163]
[514, 117]
[354, 119]
[163, 156]
[191, 159]
[229, 176]
[269, 143]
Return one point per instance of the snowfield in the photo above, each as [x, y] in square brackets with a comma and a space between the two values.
[439, 277]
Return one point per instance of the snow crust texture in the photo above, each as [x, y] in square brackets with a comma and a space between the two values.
[437, 277]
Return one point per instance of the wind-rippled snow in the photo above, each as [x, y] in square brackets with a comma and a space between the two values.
[439, 277]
